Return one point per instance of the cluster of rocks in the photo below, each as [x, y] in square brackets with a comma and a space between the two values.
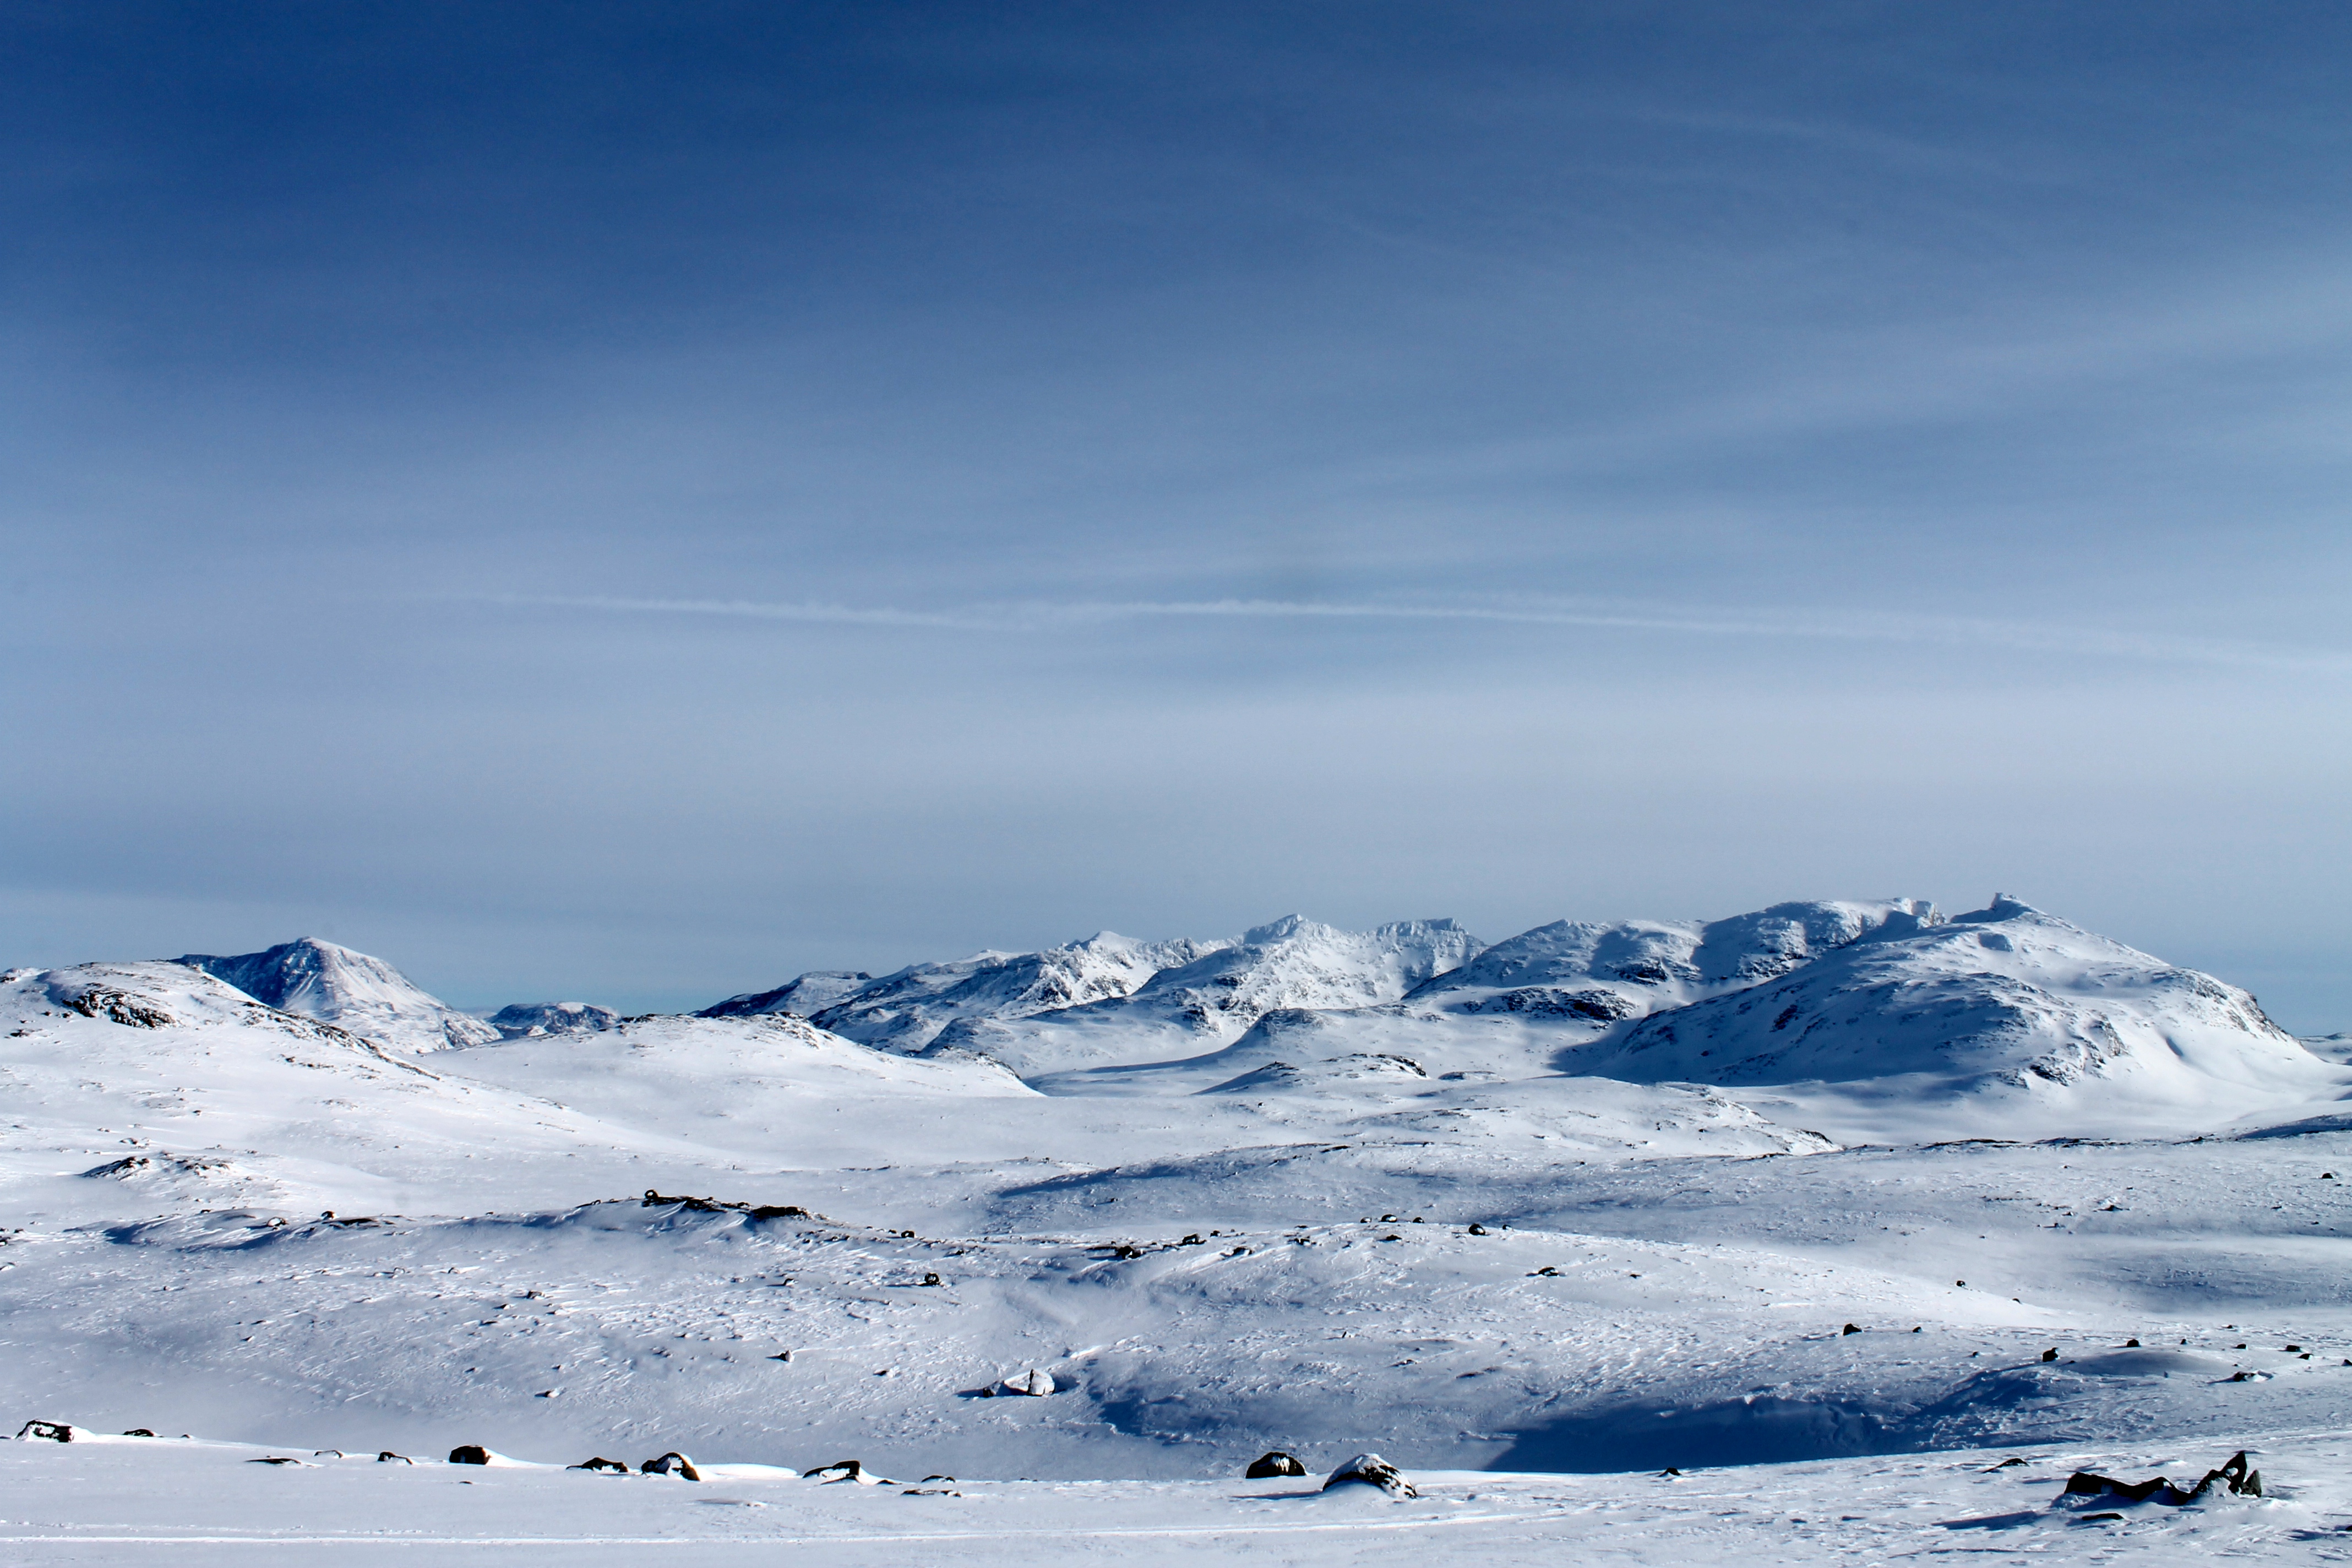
[1363, 1470]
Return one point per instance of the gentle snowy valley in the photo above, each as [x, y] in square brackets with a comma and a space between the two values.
[1871, 1223]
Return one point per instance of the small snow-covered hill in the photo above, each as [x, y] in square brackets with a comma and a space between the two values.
[2004, 996]
[1197, 1006]
[366, 995]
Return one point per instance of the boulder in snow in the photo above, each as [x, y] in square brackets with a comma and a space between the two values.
[1371, 1470]
[849, 1470]
[1274, 1463]
[1032, 1381]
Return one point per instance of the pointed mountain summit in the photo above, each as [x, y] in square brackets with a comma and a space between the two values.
[334, 984]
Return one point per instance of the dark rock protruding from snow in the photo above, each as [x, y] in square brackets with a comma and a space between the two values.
[469, 1453]
[47, 1431]
[2236, 1476]
[1274, 1463]
[671, 1464]
[609, 1466]
[1371, 1470]
[316, 979]
[654, 1200]
[847, 1470]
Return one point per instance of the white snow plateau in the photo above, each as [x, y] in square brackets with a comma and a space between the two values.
[1835, 1232]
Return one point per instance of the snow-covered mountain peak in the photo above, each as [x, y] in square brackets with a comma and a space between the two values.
[335, 984]
[1288, 928]
[528, 1018]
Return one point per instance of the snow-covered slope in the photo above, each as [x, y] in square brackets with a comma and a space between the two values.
[804, 996]
[2004, 998]
[366, 995]
[526, 1018]
[908, 1010]
[1197, 1006]
[1344, 1210]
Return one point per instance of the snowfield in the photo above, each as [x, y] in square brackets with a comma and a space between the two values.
[1832, 1209]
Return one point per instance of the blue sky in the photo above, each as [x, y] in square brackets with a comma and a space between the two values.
[631, 502]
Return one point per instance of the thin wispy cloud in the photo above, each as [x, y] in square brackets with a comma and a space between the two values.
[1042, 616]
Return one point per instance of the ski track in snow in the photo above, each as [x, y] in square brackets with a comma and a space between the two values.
[1305, 1189]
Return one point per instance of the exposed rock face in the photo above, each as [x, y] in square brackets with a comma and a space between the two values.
[671, 1464]
[1274, 1463]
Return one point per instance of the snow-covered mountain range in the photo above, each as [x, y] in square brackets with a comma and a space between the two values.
[1569, 1200]
[1887, 994]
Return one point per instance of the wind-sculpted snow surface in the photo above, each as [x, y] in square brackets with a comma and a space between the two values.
[366, 995]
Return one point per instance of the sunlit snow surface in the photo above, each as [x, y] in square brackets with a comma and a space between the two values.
[141, 1501]
[1399, 1220]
